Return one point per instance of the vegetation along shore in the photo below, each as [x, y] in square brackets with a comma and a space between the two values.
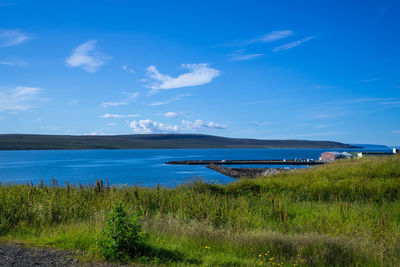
[344, 213]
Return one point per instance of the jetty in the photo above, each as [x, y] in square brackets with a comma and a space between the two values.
[247, 162]
[246, 172]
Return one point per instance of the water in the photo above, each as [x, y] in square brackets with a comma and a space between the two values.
[145, 167]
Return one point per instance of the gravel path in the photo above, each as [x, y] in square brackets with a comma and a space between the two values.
[12, 254]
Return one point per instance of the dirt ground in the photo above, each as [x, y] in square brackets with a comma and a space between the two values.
[13, 254]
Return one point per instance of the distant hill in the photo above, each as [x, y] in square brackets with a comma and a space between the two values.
[149, 141]
[371, 146]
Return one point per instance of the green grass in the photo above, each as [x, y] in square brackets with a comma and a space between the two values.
[346, 213]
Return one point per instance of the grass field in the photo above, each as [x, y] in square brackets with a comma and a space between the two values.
[345, 213]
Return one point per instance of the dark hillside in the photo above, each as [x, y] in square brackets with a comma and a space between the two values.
[150, 141]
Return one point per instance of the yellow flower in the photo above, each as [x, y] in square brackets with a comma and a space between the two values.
[259, 255]
[271, 258]
[207, 247]
[260, 263]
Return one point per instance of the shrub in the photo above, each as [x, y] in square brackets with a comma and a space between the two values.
[122, 239]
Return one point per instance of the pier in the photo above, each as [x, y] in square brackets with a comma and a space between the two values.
[247, 162]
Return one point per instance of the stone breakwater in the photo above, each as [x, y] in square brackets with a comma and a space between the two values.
[245, 172]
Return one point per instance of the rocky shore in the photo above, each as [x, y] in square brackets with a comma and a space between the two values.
[245, 172]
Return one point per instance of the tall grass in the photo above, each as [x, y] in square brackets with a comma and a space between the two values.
[329, 215]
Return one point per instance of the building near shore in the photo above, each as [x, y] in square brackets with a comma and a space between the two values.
[334, 155]
[377, 154]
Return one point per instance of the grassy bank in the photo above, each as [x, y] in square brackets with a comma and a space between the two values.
[346, 213]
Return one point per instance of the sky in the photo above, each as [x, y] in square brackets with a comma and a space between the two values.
[311, 70]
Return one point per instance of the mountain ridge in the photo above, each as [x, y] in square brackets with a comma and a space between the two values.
[150, 141]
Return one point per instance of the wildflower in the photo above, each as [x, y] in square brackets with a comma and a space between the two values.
[207, 247]
[260, 263]
[271, 258]
[259, 255]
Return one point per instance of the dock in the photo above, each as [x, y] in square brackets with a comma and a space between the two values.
[247, 162]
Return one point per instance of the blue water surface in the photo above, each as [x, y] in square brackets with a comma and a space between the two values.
[144, 167]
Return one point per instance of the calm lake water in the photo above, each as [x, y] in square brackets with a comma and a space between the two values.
[145, 167]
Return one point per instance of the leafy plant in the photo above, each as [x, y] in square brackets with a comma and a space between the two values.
[122, 239]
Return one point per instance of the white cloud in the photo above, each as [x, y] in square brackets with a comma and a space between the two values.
[267, 38]
[199, 124]
[321, 126]
[169, 101]
[98, 133]
[368, 80]
[260, 123]
[323, 116]
[171, 114]
[395, 132]
[113, 104]
[275, 36]
[126, 68]
[244, 57]
[198, 74]
[117, 116]
[390, 103]
[293, 44]
[14, 62]
[148, 126]
[19, 99]
[86, 57]
[128, 98]
[13, 37]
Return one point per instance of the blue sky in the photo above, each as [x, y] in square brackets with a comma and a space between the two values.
[317, 70]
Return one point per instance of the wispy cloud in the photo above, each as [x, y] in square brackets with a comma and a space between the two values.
[171, 114]
[127, 69]
[13, 37]
[129, 97]
[200, 124]
[118, 116]
[73, 102]
[324, 116]
[113, 104]
[260, 123]
[395, 131]
[21, 98]
[49, 128]
[87, 57]
[396, 103]
[168, 101]
[321, 126]
[266, 38]
[293, 44]
[198, 74]
[14, 62]
[317, 134]
[273, 36]
[243, 57]
[368, 80]
[366, 100]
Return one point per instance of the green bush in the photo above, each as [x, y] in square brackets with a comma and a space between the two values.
[122, 239]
